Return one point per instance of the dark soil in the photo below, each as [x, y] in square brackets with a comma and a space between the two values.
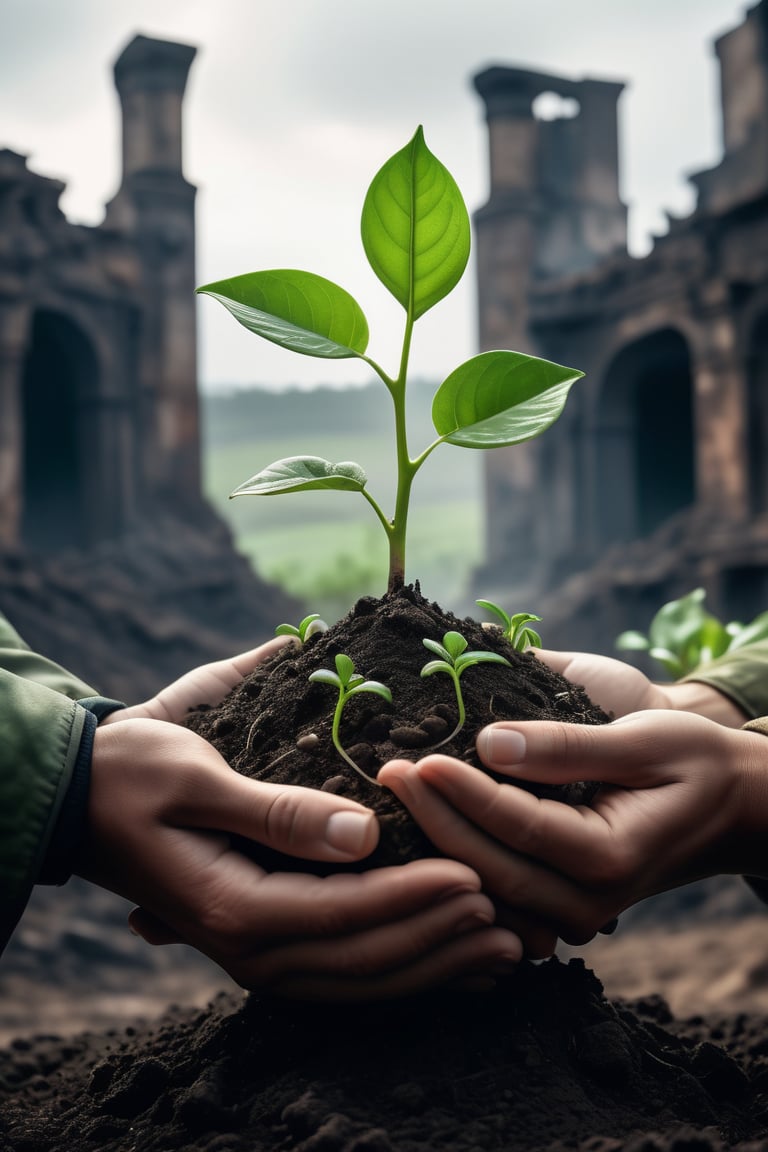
[261, 728]
[542, 1062]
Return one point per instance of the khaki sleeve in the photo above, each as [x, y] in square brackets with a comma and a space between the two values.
[741, 675]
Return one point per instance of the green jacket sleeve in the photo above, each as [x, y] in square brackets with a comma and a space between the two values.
[17, 657]
[742, 675]
[45, 747]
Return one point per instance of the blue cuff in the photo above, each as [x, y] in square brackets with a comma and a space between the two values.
[100, 706]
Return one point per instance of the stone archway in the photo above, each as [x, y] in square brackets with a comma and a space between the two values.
[757, 416]
[644, 445]
[60, 376]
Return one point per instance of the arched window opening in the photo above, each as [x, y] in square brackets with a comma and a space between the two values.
[59, 375]
[645, 441]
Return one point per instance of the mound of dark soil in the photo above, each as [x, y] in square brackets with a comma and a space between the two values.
[543, 1062]
[261, 728]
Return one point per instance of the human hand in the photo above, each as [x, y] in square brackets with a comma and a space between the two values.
[619, 688]
[682, 798]
[208, 685]
[163, 805]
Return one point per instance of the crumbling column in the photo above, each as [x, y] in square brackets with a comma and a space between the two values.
[156, 206]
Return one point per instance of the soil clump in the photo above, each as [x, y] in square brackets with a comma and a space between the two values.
[262, 726]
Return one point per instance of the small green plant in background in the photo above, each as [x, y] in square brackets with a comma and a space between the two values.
[416, 236]
[454, 659]
[348, 683]
[517, 629]
[310, 626]
[683, 635]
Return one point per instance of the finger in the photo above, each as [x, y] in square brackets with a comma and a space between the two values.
[303, 822]
[247, 662]
[599, 847]
[514, 879]
[380, 949]
[237, 905]
[209, 683]
[487, 951]
[639, 750]
[573, 839]
[557, 661]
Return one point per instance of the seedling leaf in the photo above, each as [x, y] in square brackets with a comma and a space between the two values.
[500, 398]
[438, 649]
[298, 310]
[415, 227]
[325, 676]
[301, 473]
[345, 668]
[455, 643]
[372, 686]
[309, 626]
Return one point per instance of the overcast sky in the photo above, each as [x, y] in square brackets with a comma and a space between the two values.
[293, 105]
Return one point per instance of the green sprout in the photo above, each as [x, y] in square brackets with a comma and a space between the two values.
[309, 626]
[515, 628]
[349, 683]
[454, 659]
[416, 235]
[683, 635]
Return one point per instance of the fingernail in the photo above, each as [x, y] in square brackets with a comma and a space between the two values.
[501, 746]
[350, 832]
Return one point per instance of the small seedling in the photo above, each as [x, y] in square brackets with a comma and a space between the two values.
[515, 628]
[683, 635]
[454, 659]
[416, 235]
[309, 626]
[349, 683]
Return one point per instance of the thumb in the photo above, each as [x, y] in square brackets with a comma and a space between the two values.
[299, 821]
[628, 751]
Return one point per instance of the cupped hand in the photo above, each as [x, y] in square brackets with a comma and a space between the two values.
[163, 805]
[620, 689]
[682, 798]
[207, 685]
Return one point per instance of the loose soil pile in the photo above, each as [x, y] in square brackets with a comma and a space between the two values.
[261, 728]
[543, 1062]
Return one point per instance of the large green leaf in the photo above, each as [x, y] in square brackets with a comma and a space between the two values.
[297, 310]
[300, 473]
[415, 227]
[679, 622]
[500, 398]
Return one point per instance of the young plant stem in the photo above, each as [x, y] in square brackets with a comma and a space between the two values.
[462, 710]
[338, 746]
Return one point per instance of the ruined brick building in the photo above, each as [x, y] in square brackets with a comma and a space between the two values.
[655, 479]
[110, 560]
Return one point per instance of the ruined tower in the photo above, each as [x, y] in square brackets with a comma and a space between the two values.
[655, 479]
[98, 385]
[553, 210]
